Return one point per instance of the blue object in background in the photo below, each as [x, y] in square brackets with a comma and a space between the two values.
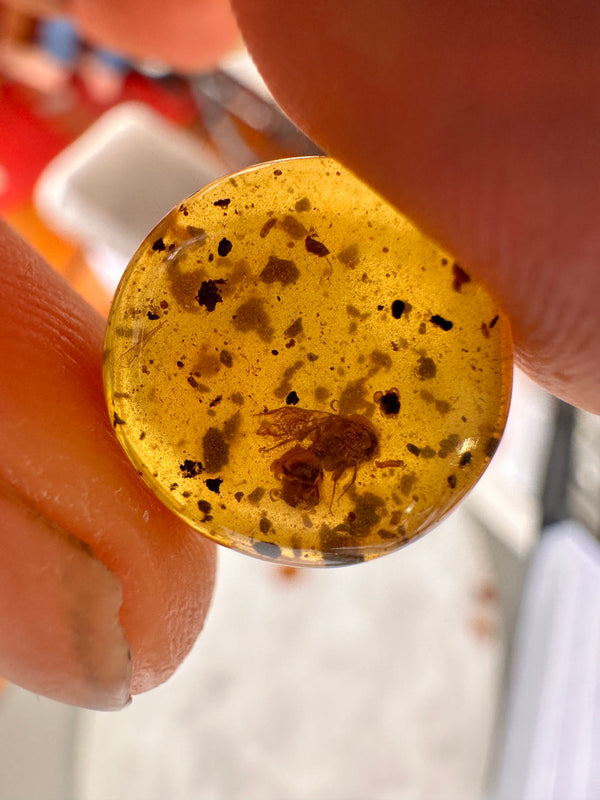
[60, 39]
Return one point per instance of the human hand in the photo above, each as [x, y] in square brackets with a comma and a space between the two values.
[102, 590]
[190, 36]
[479, 122]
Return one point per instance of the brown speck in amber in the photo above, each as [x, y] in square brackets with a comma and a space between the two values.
[320, 404]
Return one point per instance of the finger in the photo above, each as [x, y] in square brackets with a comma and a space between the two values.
[478, 121]
[60, 634]
[61, 461]
[189, 36]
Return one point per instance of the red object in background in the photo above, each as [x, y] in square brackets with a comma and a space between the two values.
[27, 143]
[170, 97]
[30, 138]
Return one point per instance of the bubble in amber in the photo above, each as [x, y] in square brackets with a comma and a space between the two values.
[299, 373]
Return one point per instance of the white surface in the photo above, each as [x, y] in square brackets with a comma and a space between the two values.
[118, 180]
[240, 66]
[553, 729]
[507, 500]
[584, 488]
[364, 682]
[37, 739]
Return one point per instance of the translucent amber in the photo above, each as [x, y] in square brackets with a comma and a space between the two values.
[299, 373]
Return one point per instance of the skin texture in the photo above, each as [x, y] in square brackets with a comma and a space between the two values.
[479, 121]
[81, 530]
[102, 590]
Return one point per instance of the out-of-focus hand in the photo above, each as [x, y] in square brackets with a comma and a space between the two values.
[187, 36]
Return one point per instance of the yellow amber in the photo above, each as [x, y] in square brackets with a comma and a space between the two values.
[299, 373]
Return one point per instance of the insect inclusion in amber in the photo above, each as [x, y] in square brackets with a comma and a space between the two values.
[299, 373]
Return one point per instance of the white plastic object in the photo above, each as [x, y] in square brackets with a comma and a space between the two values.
[552, 737]
[120, 177]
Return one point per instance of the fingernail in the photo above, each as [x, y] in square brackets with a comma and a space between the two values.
[60, 634]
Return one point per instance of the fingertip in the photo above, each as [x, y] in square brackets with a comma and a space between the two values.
[61, 635]
[60, 455]
[478, 123]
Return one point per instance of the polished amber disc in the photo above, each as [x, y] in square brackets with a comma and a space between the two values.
[299, 373]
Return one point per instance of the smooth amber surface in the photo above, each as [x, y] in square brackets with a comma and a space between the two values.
[299, 373]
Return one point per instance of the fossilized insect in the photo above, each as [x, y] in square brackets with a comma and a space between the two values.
[323, 442]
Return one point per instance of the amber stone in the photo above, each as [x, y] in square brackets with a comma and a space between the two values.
[299, 373]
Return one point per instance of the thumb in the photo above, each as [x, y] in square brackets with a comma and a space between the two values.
[480, 122]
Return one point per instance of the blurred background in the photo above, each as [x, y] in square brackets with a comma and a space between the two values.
[410, 677]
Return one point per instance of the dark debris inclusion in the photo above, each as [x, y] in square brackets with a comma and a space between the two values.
[209, 294]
